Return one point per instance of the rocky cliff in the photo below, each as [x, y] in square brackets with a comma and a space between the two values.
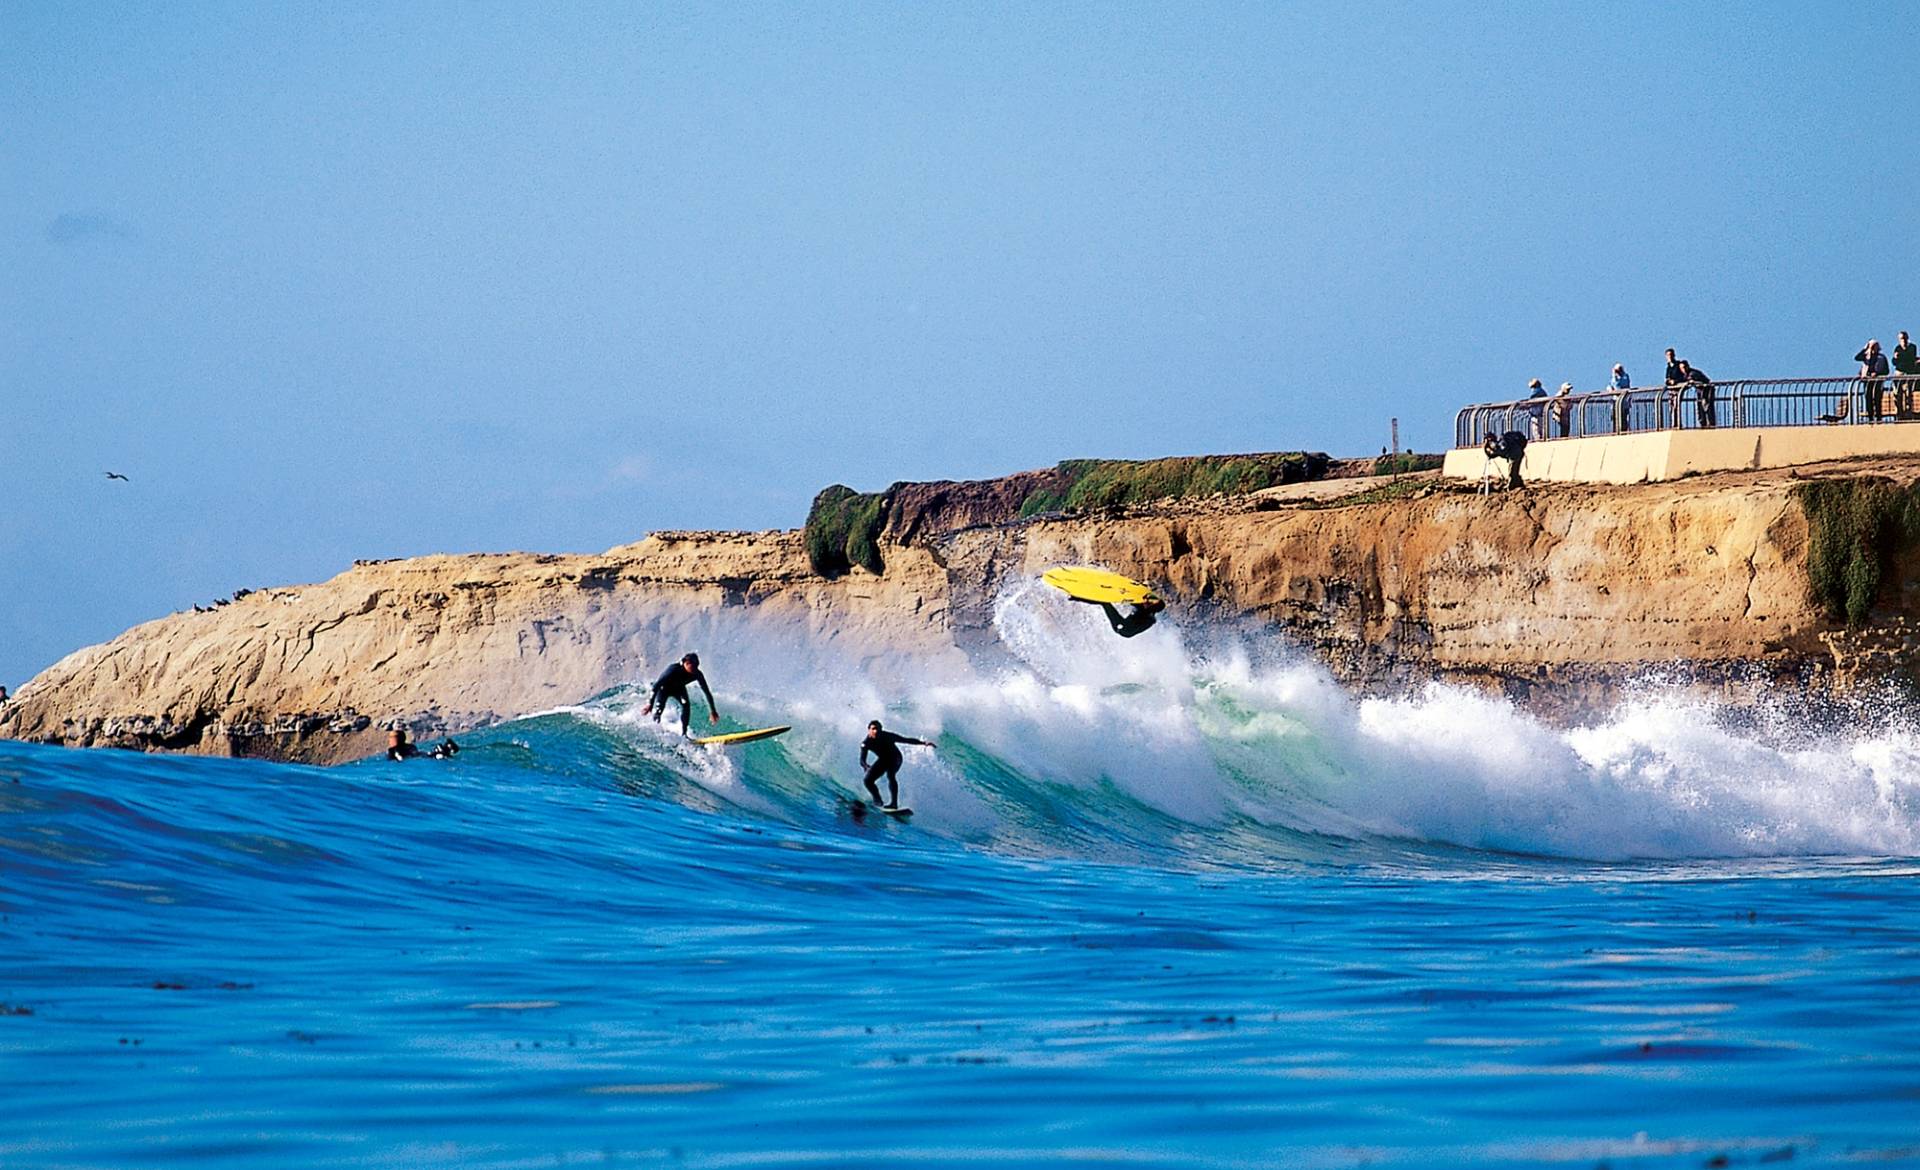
[1556, 595]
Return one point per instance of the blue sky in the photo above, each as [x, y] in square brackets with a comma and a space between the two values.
[365, 280]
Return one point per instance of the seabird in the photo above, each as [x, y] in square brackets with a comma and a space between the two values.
[117, 475]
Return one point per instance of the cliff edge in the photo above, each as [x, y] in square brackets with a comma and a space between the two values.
[1557, 595]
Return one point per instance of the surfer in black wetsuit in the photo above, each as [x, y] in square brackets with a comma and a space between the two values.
[673, 685]
[1139, 621]
[399, 747]
[885, 749]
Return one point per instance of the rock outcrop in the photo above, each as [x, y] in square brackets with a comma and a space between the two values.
[1557, 596]
[443, 643]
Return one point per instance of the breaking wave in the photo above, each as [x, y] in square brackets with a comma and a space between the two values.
[1223, 751]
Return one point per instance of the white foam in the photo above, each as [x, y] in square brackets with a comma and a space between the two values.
[1270, 738]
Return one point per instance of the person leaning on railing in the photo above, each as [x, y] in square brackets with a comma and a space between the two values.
[1873, 371]
[1562, 414]
[1906, 363]
[1704, 399]
[1536, 420]
[1619, 383]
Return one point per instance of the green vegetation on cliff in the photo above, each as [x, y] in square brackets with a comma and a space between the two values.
[1105, 483]
[844, 527]
[1856, 528]
[843, 530]
[1406, 462]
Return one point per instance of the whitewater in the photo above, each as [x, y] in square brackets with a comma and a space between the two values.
[1178, 900]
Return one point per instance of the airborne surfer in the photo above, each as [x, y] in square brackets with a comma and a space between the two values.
[1092, 586]
[884, 746]
[1139, 621]
[672, 684]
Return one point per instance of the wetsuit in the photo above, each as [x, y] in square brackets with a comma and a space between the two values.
[672, 684]
[885, 747]
[1139, 621]
[411, 751]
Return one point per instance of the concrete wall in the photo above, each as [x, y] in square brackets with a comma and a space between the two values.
[1661, 455]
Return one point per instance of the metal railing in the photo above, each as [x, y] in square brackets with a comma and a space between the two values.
[1745, 402]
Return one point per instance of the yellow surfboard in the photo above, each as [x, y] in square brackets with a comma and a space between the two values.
[1083, 583]
[743, 736]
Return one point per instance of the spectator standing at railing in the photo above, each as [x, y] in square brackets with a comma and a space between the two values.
[1562, 412]
[1676, 382]
[1535, 423]
[1620, 381]
[1906, 363]
[1620, 384]
[1704, 399]
[1873, 368]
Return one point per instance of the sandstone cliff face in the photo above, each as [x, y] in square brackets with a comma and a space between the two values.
[445, 643]
[1577, 588]
[1581, 583]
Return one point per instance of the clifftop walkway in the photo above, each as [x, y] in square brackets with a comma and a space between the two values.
[1654, 433]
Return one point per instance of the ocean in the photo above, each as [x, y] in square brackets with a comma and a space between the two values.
[1181, 901]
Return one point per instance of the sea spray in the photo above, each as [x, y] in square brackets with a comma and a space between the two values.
[1246, 753]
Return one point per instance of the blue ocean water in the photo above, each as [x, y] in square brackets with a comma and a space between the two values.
[1155, 907]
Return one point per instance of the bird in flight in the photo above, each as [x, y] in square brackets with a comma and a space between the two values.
[117, 475]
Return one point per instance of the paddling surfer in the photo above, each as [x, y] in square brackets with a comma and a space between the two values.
[884, 746]
[673, 683]
[399, 747]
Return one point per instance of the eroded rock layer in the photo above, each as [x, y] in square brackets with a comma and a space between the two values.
[1557, 596]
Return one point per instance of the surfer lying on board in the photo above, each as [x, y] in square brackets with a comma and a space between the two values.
[885, 747]
[673, 685]
[1139, 621]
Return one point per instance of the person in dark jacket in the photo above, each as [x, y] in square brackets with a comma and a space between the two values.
[1906, 363]
[1511, 447]
[884, 747]
[1704, 398]
[1873, 369]
[673, 683]
[399, 747]
[1676, 382]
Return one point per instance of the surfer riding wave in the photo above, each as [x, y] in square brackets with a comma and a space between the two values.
[673, 683]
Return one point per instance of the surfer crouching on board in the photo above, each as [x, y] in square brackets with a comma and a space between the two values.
[885, 748]
[673, 685]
